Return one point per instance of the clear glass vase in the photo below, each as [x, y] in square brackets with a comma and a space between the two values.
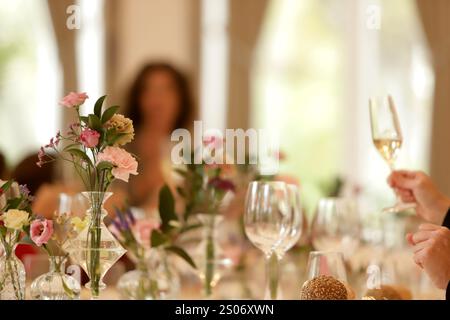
[210, 258]
[155, 278]
[95, 249]
[55, 285]
[12, 275]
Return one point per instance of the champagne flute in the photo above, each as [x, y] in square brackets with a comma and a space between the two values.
[387, 138]
[295, 231]
[267, 222]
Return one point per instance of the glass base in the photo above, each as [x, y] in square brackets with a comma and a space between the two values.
[399, 207]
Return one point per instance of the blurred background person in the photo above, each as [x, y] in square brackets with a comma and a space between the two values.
[159, 102]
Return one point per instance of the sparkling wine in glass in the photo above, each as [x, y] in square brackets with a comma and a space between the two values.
[387, 138]
[267, 221]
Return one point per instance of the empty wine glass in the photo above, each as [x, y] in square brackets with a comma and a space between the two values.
[267, 222]
[327, 263]
[387, 138]
[336, 226]
[295, 232]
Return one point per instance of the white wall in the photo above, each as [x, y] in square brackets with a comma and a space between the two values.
[154, 29]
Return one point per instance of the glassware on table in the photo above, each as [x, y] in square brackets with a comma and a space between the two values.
[154, 278]
[387, 138]
[295, 231]
[326, 263]
[95, 248]
[56, 284]
[267, 222]
[210, 258]
[336, 226]
[12, 276]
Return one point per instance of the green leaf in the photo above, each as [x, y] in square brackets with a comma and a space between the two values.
[70, 146]
[3, 231]
[181, 192]
[158, 238]
[182, 254]
[104, 165]
[5, 187]
[95, 123]
[111, 140]
[181, 172]
[80, 154]
[166, 208]
[84, 119]
[98, 106]
[191, 227]
[109, 113]
[13, 203]
[68, 291]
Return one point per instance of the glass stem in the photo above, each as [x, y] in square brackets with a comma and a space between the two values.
[397, 197]
[272, 274]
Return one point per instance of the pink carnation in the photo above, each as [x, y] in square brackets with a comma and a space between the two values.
[89, 138]
[123, 162]
[74, 99]
[41, 231]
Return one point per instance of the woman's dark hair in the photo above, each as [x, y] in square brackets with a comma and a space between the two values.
[186, 111]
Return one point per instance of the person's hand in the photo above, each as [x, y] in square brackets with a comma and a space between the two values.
[432, 252]
[416, 186]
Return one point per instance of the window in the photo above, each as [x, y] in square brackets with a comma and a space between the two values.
[318, 63]
[29, 78]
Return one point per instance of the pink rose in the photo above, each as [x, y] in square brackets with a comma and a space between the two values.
[74, 99]
[123, 162]
[143, 230]
[41, 231]
[89, 138]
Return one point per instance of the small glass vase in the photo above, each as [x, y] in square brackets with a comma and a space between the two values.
[154, 278]
[12, 275]
[210, 258]
[95, 249]
[55, 285]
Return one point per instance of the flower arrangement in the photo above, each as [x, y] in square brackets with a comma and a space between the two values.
[205, 184]
[204, 188]
[18, 224]
[142, 236]
[15, 217]
[93, 145]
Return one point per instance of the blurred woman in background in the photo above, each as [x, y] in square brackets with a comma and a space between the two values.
[159, 102]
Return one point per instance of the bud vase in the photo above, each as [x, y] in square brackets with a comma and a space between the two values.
[95, 249]
[12, 275]
[210, 258]
[154, 278]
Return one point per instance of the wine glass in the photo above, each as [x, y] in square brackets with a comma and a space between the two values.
[387, 138]
[336, 225]
[267, 222]
[328, 263]
[295, 231]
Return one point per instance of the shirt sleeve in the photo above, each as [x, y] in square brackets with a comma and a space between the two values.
[446, 222]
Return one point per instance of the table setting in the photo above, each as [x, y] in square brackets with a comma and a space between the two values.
[241, 235]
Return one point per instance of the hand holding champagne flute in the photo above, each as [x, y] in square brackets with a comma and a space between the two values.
[387, 138]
